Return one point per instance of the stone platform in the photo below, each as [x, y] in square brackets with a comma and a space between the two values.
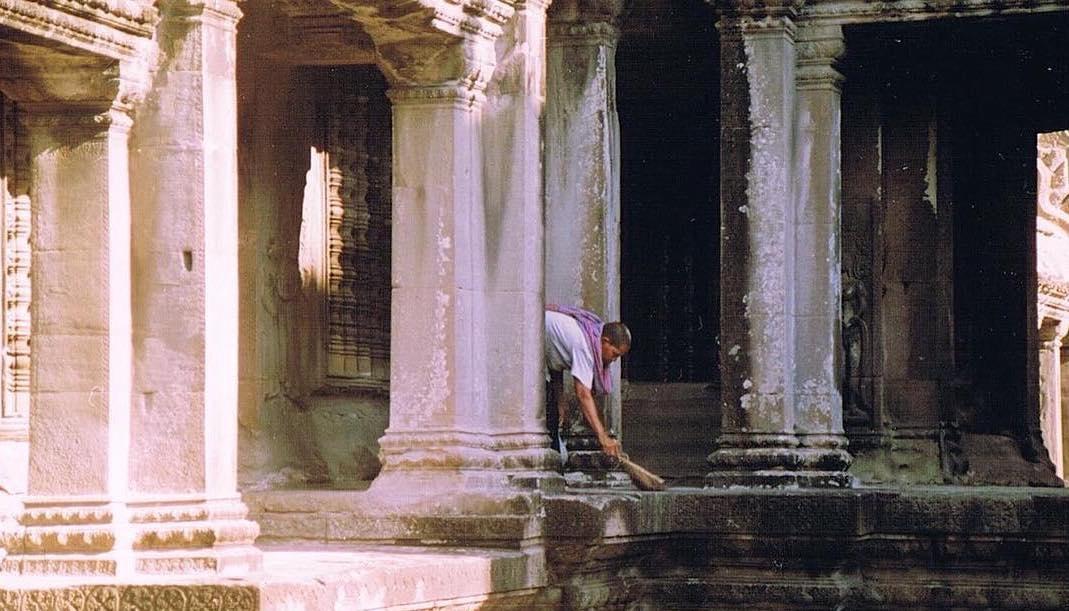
[686, 548]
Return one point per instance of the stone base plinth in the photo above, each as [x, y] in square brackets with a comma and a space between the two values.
[594, 469]
[78, 538]
[779, 467]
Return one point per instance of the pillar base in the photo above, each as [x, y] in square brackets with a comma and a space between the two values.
[768, 466]
[80, 537]
[594, 469]
[453, 460]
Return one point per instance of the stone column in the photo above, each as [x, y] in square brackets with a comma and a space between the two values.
[514, 231]
[453, 426]
[766, 307]
[1051, 334]
[583, 190]
[817, 371]
[80, 392]
[183, 429]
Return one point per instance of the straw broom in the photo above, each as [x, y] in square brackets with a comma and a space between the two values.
[640, 476]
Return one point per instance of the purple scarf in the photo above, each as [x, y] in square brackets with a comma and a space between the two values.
[591, 326]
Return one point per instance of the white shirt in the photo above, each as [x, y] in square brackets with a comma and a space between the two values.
[567, 348]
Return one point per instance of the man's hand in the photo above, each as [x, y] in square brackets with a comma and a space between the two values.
[590, 411]
[610, 446]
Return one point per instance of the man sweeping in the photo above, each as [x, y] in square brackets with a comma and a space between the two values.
[578, 342]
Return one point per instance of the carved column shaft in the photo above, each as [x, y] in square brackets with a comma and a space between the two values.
[81, 318]
[183, 430]
[818, 357]
[1051, 334]
[766, 311]
[514, 234]
[80, 396]
[583, 192]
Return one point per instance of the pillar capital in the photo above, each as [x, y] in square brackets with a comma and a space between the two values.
[758, 10]
[1052, 332]
[219, 11]
[819, 47]
[434, 52]
[586, 11]
[581, 33]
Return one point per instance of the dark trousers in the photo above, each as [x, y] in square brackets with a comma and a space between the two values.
[552, 418]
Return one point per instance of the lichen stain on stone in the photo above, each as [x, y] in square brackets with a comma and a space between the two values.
[931, 172]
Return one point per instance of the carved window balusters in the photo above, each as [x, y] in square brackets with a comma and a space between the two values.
[355, 255]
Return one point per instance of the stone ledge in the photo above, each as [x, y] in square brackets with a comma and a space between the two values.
[923, 548]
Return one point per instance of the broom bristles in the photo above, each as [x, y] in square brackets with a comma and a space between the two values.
[640, 476]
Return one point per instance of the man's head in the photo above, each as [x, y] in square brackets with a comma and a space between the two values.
[615, 341]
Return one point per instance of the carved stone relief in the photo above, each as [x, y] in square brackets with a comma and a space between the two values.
[133, 598]
[857, 409]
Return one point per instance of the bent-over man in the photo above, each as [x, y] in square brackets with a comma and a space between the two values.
[578, 342]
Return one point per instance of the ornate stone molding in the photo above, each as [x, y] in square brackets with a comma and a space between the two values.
[133, 16]
[855, 11]
[818, 48]
[756, 11]
[585, 11]
[434, 45]
[407, 450]
[118, 29]
[86, 537]
[582, 33]
[221, 12]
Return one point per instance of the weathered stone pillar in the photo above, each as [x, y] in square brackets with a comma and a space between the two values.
[452, 425]
[79, 412]
[1051, 334]
[183, 429]
[583, 189]
[514, 231]
[817, 370]
[782, 418]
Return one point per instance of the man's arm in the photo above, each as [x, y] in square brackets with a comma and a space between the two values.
[590, 411]
[556, 380]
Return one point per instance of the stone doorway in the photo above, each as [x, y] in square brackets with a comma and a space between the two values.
[939, 248]
[668, 101]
